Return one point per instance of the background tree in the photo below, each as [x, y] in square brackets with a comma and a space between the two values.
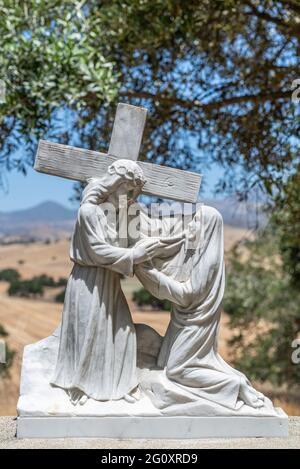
[215, 75]
[9, 355]
[263, 294]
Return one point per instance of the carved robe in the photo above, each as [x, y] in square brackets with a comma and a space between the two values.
[97, 351]
[194, 283]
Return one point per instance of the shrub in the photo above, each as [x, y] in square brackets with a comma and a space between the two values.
[263, 306]
[263, 293]
[143, 297]
[44, 280]
[32, 287]
[4, 367]
[47, 281]
[26, 288]
[60, 297]
[62, 282]
[9, 275]
[3, 332]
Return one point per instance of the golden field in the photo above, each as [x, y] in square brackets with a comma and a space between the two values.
[29, 320]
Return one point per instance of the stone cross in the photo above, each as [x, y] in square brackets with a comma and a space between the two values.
[80, 164]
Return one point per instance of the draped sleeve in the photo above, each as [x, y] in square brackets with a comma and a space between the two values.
[164, 287]
[90, 247]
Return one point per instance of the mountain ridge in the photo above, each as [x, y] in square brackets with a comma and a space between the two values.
[51, 219]
[45, 211]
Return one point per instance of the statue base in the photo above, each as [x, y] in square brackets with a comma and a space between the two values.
[45, 411]
[153, 427]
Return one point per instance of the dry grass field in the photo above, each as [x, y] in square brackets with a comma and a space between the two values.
[29, 320]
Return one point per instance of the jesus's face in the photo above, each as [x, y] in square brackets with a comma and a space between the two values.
[124, 189]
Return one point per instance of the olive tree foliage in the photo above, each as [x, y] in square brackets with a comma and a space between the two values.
[49, 64]
[9, 354]
[216, 76]
[263, 308]
[262, 295]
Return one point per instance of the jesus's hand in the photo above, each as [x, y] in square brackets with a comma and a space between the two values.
[146, 250]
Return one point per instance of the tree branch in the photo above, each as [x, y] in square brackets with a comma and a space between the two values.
[269, 18]
[292, 4]
[254, 98]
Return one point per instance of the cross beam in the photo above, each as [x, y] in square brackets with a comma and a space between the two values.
[127, 134]
[80, 164]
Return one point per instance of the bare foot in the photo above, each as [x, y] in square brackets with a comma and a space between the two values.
[133, 396]
[129, 398]
[76, 395]
[259, 395]
[84, 398]
[250, 396]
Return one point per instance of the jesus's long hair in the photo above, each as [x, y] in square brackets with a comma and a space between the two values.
[98, 189]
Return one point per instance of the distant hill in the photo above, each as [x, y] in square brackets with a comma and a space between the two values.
[45, 220]
[238, 214]
[51, 220]
[46, 212]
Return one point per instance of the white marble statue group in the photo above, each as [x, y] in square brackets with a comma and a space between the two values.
[97, 355]
[98, 363]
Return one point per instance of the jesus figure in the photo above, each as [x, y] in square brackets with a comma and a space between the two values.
[97, 350]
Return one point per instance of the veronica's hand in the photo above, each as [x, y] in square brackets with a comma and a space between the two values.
[145, 250]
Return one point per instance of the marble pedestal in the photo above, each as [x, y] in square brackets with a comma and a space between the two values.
[46, 412]
[153, 427]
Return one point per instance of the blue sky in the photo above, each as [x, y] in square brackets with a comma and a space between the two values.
[26, 191]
